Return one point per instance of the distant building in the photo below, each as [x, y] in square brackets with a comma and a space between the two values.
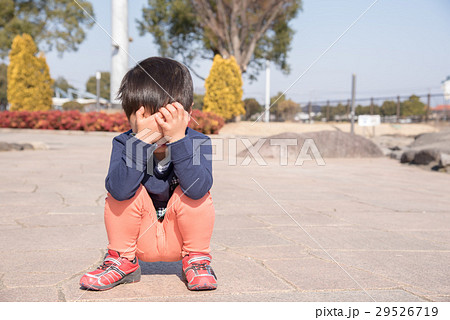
[441, 111]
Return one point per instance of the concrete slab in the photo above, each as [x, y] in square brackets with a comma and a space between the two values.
[30, 294]
[349, 238]
[246, 237]
[270, 252]
[53, 219]
[295, 296]
[369, 214]
[48, 238]
[310, 273]
[423, 272]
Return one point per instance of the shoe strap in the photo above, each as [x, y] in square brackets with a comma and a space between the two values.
[110, 259]
[199, 258]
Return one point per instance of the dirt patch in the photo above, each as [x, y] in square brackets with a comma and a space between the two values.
[262, 129]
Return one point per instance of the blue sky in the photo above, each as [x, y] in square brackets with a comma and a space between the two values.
[399, 47]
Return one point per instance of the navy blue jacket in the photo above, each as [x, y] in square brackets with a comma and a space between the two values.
[132, 164]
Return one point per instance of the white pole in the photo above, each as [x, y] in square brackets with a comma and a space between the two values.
[98, 76]
[119, 59]
[267, 105]
[352, 113]
[446, 96]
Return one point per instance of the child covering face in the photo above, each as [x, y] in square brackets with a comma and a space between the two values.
[159, 206]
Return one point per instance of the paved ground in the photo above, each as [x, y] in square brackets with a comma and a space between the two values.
[365, 229]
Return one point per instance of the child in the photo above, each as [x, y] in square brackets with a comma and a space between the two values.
[159, 207]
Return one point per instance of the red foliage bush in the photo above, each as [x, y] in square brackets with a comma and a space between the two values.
[205, 122]
[64, 120]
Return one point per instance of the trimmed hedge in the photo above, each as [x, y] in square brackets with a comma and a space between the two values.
[64, 120]
[205, 122]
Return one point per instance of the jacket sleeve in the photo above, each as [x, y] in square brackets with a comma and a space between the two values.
[192, 163]
[128, 166]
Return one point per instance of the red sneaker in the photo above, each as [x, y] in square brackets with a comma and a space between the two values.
[198, 273]
[114, 270]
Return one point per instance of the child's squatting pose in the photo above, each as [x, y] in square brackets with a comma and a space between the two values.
[159, 207]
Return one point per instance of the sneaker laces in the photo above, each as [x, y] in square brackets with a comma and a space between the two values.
[200, 266]
[204, 266]
[105, 265]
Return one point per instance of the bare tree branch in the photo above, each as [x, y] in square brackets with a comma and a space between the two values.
[241, 28]
[276, 9]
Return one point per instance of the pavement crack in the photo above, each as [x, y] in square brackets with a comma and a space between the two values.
[61, 295]
[2, 285]
[61, 283]
[100, 197]
[64, 203]
[401, 285]
[417, 295]
[262, 264]
[23, 225]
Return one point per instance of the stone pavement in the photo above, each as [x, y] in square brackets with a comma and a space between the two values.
[364, 229]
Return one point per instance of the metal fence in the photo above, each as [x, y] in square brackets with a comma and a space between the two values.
[391, 109]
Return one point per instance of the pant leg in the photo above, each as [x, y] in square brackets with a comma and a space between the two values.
[123, 220]
[195, 221]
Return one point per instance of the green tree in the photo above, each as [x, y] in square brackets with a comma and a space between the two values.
[274, 102]
[72, 105]
[359, 110]
[62, 84]
[29, 82]
[287, 109]
[251, 106]
[251, 31]
[198, 101]
[389, 108]
[412, 107]
[337, 111]
[3, 85]
[224, 89]
[105, 84]
[51, 23]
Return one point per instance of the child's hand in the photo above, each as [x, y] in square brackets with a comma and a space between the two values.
[173, 120]
[145, 127]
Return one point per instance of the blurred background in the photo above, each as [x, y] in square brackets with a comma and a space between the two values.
[396, 49]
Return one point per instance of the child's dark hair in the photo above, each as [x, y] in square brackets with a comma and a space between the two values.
[154, 83]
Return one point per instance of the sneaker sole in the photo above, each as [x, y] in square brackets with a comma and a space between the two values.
[199, 286]
[129, 278]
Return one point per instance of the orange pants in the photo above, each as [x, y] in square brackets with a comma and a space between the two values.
[133, 229]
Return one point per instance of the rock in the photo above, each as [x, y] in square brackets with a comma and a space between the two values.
[331, 144]
[16, 146]
[38, 145]
[27, 146]
[435, 140]
[426, 156]
[444, 160]
[407, 156]
[393, 142]
[397, 155]
[429, 149]
[5, 146]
